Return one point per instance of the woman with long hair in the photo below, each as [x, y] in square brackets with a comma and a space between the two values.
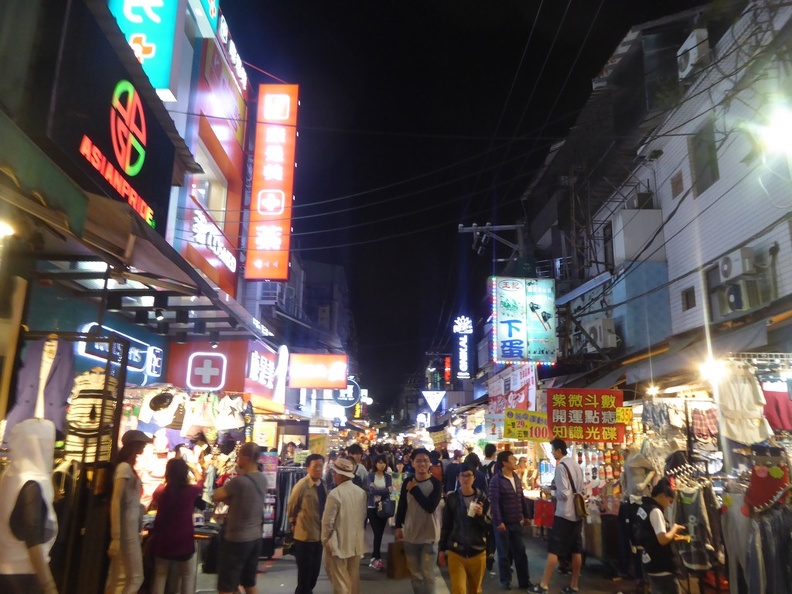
[126, 557]
[173, 527]
[380, 487]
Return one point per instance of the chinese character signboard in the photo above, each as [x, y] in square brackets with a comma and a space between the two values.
[526, 425]
[514, 387]
[523, 320]
[269, 232]
[151, 28]
[260, 372]
[207, 247]
[585, 416]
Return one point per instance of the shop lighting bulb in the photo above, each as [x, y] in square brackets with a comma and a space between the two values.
[159, 314]
[6, 230]
[653, 390]
[713, 370]
[214, 344]
[776, 136]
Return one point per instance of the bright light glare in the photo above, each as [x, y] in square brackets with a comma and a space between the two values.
[6, 230]
[653, 390]
[713, 370]
[777, 136]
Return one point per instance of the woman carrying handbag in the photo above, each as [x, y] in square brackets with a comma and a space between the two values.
[380, 506]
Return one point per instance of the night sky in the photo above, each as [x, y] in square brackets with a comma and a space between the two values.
[417, 117]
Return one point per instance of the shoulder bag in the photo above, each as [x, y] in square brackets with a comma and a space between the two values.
[581, 509]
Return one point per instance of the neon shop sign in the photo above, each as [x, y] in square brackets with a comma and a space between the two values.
[463, 328]
[141, 358]
[208, 235]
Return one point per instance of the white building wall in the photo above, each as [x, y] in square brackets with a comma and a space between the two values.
[749, 198]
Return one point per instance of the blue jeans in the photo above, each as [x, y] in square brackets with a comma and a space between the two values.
[421, 563]
[511, 547]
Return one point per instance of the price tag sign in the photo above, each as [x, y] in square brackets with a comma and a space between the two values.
[624, 415]
[526, 425]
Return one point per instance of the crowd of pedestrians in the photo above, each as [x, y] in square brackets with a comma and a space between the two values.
[453, 510]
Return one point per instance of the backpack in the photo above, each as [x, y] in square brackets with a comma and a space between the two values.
[488, 469]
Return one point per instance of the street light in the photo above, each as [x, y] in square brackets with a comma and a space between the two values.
[777, 135]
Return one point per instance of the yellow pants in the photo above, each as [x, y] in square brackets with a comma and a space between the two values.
[466, 573]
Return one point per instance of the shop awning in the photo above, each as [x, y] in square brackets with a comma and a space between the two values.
[41, 188]
[353, 427]
[141, 272]
[688, 359]
[116, 228]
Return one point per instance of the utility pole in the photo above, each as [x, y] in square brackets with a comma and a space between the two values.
[526, 264]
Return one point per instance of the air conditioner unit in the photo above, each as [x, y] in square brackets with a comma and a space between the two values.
[739, 296]
[603, 333]
[692, 52]
[736, 264]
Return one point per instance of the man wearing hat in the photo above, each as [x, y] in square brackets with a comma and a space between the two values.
[566, 536]
[342, 536]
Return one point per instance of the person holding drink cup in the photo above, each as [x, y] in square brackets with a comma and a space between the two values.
[463, 536]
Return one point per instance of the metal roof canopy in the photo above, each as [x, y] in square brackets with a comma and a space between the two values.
[127, 268]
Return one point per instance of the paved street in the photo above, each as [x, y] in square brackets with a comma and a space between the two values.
[279, 575]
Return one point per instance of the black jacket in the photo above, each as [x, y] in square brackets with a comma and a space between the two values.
[656, 558]
[460, 533]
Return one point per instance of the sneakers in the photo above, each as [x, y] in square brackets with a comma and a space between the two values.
[377, 564]
[570, 590]
[537, 589]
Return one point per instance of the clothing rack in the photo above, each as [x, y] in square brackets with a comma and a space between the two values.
[88, 506]
[287, 477]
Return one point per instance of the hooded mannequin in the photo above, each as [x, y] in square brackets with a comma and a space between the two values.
[28, 525]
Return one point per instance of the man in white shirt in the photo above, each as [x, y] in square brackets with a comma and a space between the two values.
[342, 535]
[566, 536]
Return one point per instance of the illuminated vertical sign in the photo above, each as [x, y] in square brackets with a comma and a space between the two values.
[523, 320]
[463, 329]
[151, 28]
[269, 232]
[447, 369]
[229, 49]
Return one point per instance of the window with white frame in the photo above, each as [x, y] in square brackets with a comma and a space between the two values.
[688, 298]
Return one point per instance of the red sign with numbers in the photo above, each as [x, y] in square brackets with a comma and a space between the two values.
[585, 416]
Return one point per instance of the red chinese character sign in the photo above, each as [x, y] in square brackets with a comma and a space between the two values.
[585, 416]
[523, 320]
[269, 233]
